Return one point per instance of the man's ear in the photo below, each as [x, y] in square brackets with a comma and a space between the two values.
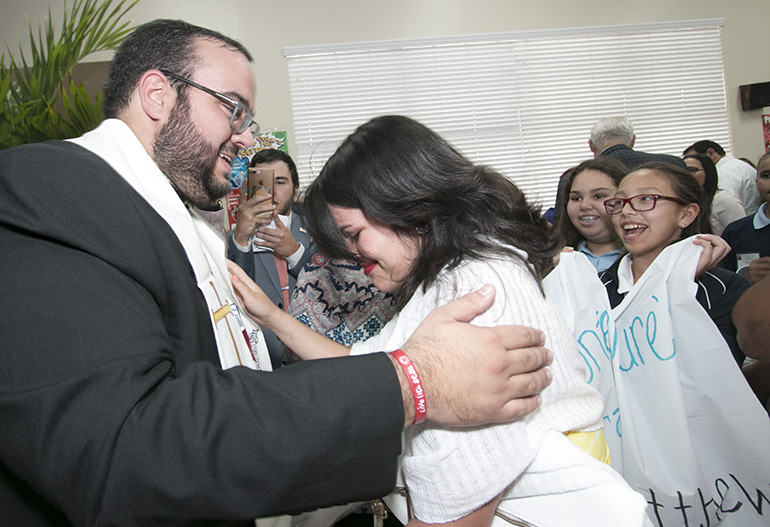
[633, 140]
[592, 146]
[156, 95]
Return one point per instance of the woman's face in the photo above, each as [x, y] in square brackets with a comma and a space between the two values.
[386, 256]
[647, 233]
[696, 169]
[585, 206]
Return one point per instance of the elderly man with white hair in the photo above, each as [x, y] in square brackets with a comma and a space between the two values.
[614, 137]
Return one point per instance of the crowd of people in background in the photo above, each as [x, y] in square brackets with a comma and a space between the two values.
[732, 201]
[620, 209]
[734, 196]
[136, 385]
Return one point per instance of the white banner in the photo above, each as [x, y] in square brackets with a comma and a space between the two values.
[683, 426]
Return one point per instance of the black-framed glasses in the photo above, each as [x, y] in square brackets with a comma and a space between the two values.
[240, 118]
[640, 202]
[694, 170]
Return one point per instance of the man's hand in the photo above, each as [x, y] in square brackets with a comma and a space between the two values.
[279, 239]
[758, 269]
[248, 217]
[715, 248]
[474, 375]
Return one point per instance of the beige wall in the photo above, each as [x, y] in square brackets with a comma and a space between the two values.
[265, 27]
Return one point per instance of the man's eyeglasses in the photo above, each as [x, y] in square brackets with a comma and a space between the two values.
[640, 203]
[241, 117]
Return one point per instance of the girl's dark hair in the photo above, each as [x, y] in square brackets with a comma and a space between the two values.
[565, 232]
[403, 175]
[688, 190]
[710, 185]
[558, 206]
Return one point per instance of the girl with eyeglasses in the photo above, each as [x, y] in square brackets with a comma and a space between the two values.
[659, 204]
[725, 206]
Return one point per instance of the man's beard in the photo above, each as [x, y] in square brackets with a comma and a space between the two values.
[187, 159]
[286, 209]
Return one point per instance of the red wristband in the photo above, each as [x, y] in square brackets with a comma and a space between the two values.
[418, 393]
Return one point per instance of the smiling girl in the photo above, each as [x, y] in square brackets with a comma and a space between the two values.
[428, 225]
[657, 205]
[584, 223]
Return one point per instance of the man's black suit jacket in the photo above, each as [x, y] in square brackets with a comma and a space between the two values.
[113, 407]
[633, 158]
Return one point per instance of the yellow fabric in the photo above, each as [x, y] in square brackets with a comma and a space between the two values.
[593, 443]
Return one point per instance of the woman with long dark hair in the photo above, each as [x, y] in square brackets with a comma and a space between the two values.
[431, 196]
[723, 206]
[428, 225]
[583, 222]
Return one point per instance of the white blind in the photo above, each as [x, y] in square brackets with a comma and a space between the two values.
[521, 102]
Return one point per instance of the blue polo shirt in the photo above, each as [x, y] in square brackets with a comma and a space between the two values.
[760, 218]
[600, 262]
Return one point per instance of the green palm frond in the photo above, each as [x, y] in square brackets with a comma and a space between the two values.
[32, 89]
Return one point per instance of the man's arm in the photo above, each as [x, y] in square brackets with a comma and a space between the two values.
[751, 316]
[758, 377]
[472, 375]
[111, 412]
[475, 375]
[114, 407]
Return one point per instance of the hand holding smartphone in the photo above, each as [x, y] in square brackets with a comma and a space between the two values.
[258, 182]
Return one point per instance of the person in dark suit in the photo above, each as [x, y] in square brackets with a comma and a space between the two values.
[272, 250]
[614, 137]
[128, 394]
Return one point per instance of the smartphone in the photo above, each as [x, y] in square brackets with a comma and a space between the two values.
[258, 182]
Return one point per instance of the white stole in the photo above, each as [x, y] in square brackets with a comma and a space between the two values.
[116, 144]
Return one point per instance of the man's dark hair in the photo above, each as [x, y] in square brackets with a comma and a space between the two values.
[702, 146]
[271, 155]
[167, 45]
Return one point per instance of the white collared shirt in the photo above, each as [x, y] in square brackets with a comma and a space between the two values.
[115, 142]
[625, 274]
[740, 178]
